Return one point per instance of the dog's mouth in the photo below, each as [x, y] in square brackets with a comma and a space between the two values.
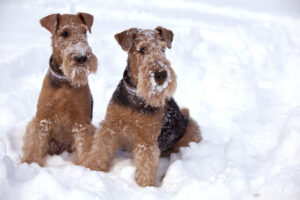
[78, 67]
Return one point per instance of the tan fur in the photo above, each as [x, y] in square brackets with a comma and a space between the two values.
[132, 130]
[62, 121]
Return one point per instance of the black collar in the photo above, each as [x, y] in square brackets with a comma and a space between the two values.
[125, 95]
[128, 83]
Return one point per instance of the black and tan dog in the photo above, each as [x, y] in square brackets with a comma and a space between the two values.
[142, 117]
[63, 117]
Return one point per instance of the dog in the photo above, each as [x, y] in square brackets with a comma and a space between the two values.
[142, 116]
[65, 106]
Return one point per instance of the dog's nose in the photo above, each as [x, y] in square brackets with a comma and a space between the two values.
[81, 59]
[160, 76]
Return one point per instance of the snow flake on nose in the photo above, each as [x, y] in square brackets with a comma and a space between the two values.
[158, 88]
[159, 65]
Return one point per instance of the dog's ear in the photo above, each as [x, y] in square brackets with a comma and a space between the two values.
[125, 38]
[166, 35]
[87, 19]
[50, 22]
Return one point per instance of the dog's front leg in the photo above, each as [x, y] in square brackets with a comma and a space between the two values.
[82, 140]
[36, 141]
[146, 159]
[105, 145]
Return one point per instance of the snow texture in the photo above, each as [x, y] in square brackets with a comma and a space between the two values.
[237, 66]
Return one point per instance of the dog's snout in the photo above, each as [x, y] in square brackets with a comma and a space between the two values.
[81, 59]
[160, 77]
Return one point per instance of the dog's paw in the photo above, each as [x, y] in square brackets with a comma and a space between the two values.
[144, 181]
[39, 161]
[96, 166]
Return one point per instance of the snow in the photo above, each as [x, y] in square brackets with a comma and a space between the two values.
[79, 48]
[237, 66]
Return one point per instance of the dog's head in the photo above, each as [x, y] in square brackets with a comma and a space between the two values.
[149, 69]
[70, 46]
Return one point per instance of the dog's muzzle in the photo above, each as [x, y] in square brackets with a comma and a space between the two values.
[160, 77]
[81, 59]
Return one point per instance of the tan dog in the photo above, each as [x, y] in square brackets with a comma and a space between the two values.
[142, 117]
[64, 110]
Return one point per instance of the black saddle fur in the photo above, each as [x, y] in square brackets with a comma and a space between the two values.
[174, 122]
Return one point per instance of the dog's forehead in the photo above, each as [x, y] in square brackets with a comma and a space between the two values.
[69, 20]
[147, 35]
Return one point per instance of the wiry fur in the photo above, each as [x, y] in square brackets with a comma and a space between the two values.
[154, 93]
[134, 121]
[66, 49]
[62, 121]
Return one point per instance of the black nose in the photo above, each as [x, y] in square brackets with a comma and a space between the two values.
[81, 59]
[160, 76]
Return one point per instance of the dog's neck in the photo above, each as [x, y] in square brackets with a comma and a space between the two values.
[125, 95]
[127, 82]
[55, 72]
[57, 79]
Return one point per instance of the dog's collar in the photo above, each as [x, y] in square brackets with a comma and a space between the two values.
[52, 66]
[126, 82]
[125, 95]
[131, 90]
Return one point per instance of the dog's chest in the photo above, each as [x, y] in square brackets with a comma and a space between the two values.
[65, 103]
[140, 123]
[134, 125]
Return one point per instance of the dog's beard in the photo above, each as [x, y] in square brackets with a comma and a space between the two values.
[154, 93]
[77, 74]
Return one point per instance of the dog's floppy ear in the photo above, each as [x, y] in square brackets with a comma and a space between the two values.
[166, 35]
[50, 22]
[87, 19]
[125, 38]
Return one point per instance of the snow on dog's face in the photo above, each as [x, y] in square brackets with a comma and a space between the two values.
[149, 69]
[70, 45]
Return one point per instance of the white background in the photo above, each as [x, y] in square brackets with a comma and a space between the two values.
[238, 69]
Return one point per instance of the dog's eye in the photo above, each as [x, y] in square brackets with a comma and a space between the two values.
[64, 34]
[142, 50]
